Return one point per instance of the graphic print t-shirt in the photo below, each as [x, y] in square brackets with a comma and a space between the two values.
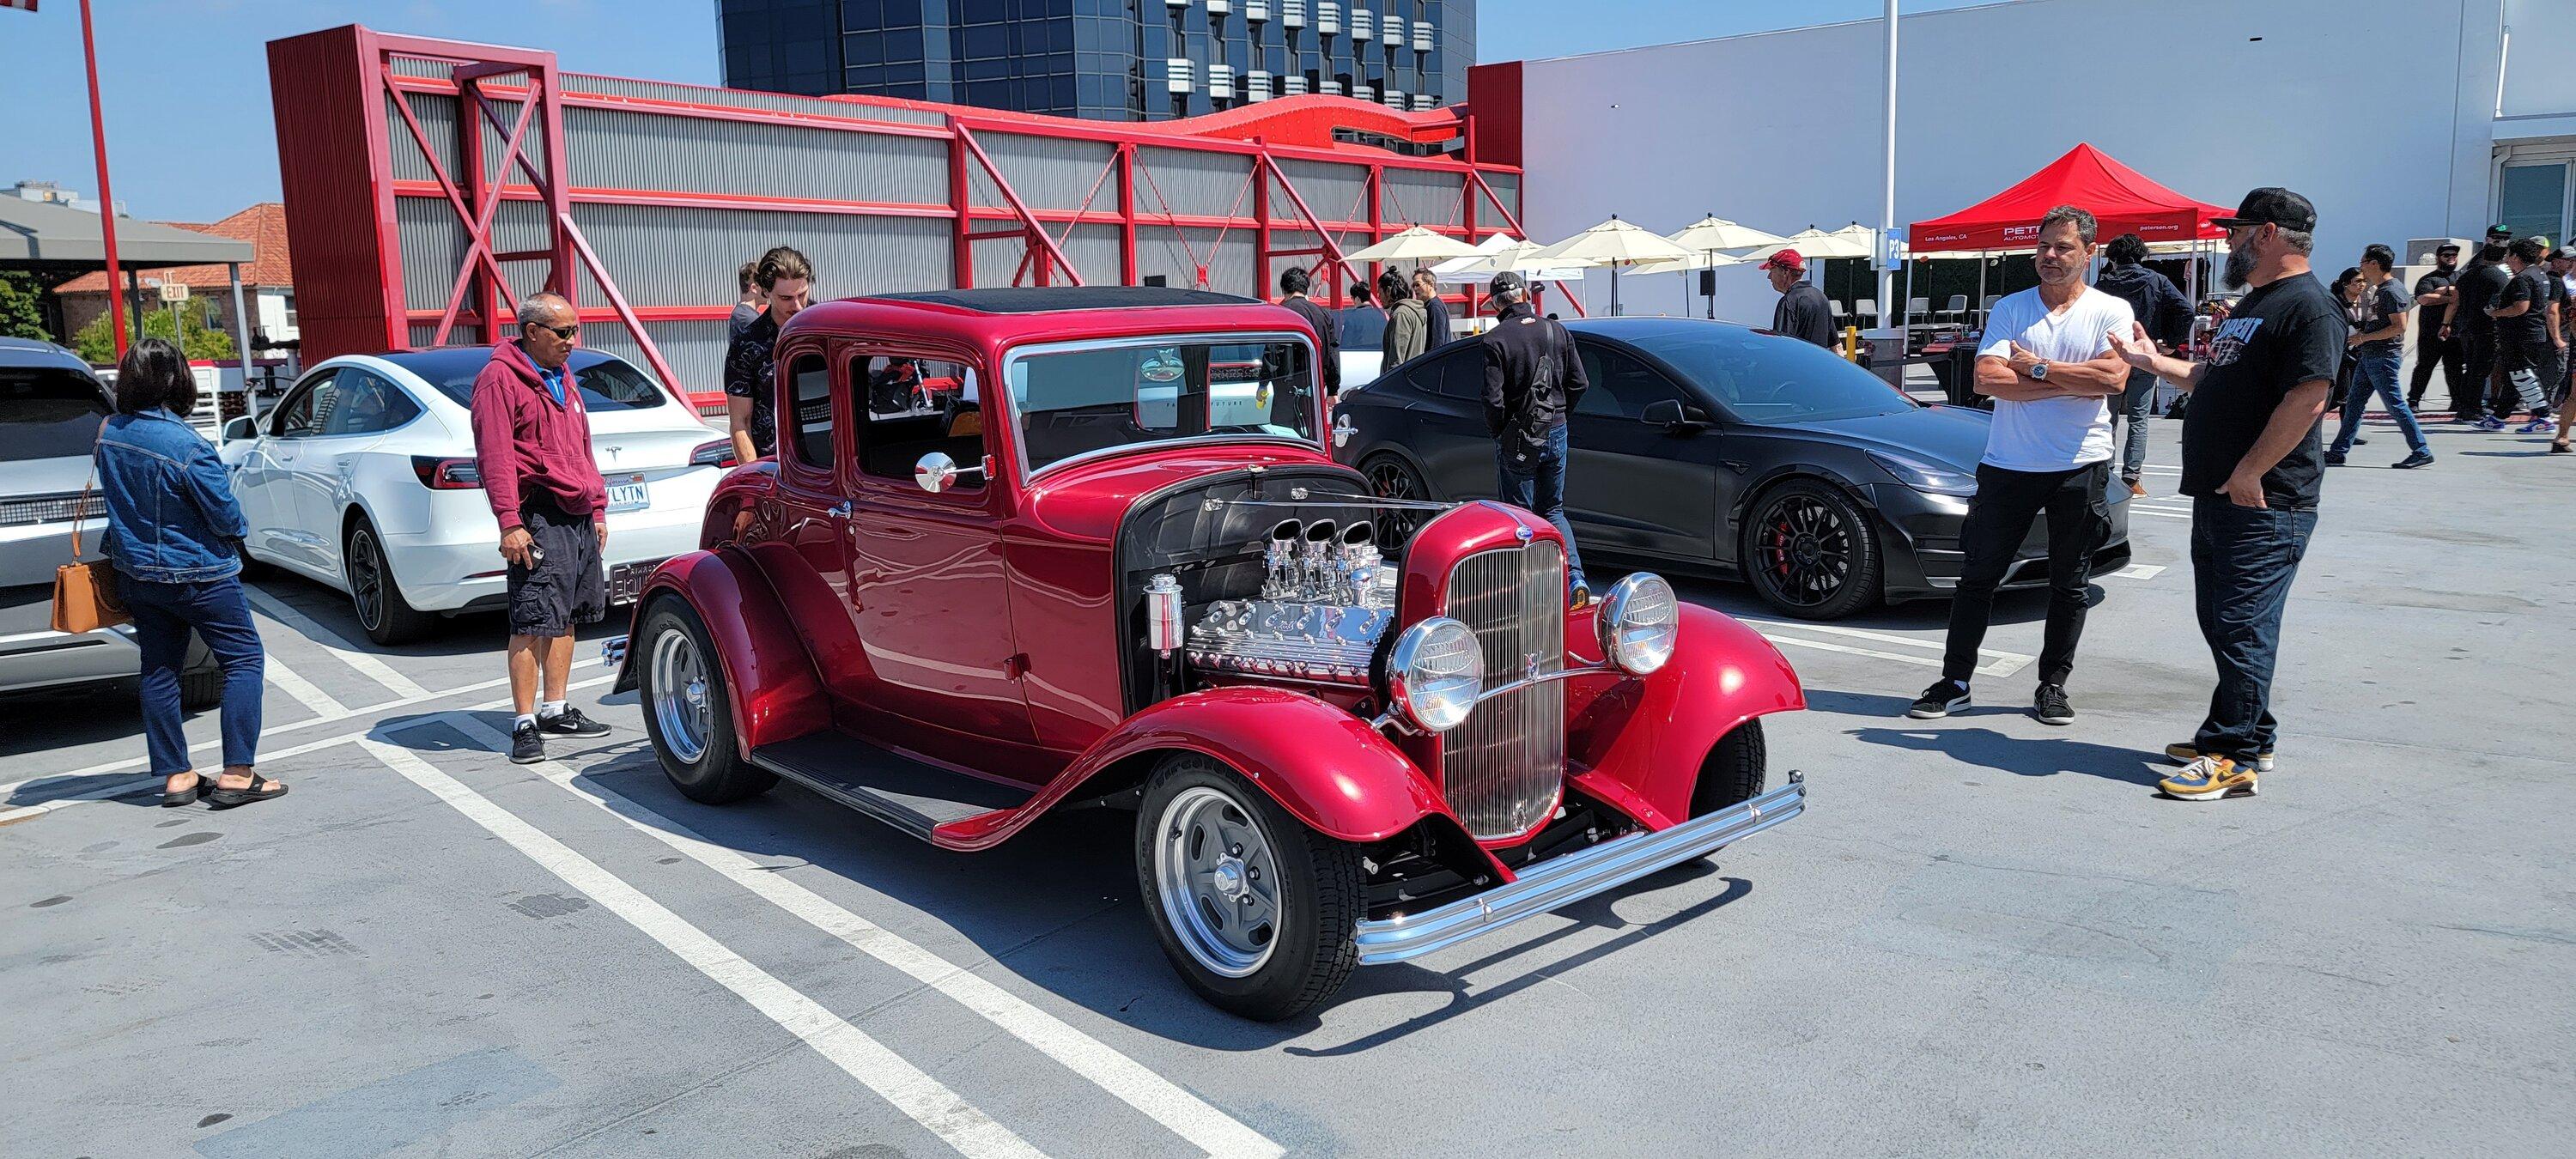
[2282, 334]
[2052, 434]
[2384, 306]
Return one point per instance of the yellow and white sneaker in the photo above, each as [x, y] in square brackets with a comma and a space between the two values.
[2183, 754]
[2210, 779]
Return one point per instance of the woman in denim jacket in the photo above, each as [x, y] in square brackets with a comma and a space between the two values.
[173, 532]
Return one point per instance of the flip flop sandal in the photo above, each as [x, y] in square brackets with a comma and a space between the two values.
[189, 795]
[234, 798]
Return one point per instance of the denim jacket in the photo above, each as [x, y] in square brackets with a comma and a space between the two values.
[171, 516]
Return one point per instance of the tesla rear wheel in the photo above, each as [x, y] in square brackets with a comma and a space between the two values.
[1258, 913]
[687, 710]
[1810, 552]
[1392, 478]
[382, 610]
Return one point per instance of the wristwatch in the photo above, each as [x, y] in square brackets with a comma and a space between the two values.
[2039, 372]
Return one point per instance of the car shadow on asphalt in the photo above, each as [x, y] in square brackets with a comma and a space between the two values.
[73, 716]
[485, 633]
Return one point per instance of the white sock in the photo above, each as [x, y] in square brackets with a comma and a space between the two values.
[550, 709]
[526, 719]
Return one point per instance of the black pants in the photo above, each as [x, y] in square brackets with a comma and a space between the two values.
[2524, 365]
[1999, 518]
[2432, 351]
[2469, 390]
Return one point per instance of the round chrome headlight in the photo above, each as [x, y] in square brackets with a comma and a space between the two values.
[1638, 623]
[1435, 672]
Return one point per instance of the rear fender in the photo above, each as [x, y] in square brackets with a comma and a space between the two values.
[770, 683]
[1644, 740]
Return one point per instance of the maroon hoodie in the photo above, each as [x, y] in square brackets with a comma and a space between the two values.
[528, 445]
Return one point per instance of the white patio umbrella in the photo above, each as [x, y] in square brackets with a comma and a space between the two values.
[1716, 234]
[1416, 244]
[1513, 254]
[1814, 243]
[1700, 260]
[1615, 243]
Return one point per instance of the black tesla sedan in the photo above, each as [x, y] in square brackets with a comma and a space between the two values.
[1711, 447]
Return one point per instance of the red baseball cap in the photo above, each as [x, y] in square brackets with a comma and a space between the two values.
[1786, 260]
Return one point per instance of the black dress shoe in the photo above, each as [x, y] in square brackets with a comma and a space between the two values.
[570, 722]
[527, 746]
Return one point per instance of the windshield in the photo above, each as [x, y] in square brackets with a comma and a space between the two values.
[47, 413]
[1077, 402]
[607, 384]
[1765, 378]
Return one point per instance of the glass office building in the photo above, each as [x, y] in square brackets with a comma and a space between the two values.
[1104, 59]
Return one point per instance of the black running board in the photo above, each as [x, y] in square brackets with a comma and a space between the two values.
[907, 794]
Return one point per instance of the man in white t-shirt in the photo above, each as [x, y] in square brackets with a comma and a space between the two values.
[2046, 360]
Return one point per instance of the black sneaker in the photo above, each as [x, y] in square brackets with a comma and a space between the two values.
[2334, 459]
[527, 746]
[2050, 701]
[2410, 462]
[2360, 442]
[570, 722]
[1940, 700]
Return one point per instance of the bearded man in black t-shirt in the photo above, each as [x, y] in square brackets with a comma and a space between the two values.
[2252, 466]
[2466, 321]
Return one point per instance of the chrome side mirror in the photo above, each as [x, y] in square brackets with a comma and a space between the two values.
[936, 472]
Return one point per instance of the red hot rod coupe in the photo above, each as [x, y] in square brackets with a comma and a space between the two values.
[1111, 561]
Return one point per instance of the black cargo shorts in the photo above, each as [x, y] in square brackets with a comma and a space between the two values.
[564, 588]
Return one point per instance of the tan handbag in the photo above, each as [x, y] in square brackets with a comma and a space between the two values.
[85, 590]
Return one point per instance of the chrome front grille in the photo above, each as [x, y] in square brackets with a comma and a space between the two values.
[1503, 769]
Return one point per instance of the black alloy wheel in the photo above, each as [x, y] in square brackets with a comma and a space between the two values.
[1391, 478]
[1810, 552]
[378, 599]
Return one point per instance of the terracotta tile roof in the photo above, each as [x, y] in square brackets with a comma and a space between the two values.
[262, 225]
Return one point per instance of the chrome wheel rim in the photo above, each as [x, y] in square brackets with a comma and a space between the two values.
[679, 695]
[1218, 882]
[367, 579]
[1388, 479]
[1804, 550]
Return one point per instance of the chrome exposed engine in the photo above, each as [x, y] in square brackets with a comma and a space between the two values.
[1326, 600]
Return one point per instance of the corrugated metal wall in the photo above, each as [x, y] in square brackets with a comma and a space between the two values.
[1047, 172]
[612, 149]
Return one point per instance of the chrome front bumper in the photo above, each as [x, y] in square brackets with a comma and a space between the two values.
[1575, 876]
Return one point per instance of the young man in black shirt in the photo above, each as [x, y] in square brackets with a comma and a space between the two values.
[786, 282]
[2432, 297]
[1802, 312]
[2526, 324]
[2466, 321]
[2377, 345]
[1426, 289]
[1328, 329]
[2251, 463]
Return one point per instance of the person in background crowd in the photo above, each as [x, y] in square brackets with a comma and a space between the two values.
[2161, 308]
[2466, 321]
[1802, 312]
[2046, 360]
[1532, 381]
[2563, 264]
[748, 304]
[2251, 463]
[2347, 289]
[2526, 331]
[2378, 344]
[532, 446]
[2556, 268]
[174, 535]
[1408, 327]
[1363, 323]
[1293, 285]
[2432, 297]
[786, 281]
[1435, 312]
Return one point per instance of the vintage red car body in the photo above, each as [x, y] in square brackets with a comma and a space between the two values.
[959, 661]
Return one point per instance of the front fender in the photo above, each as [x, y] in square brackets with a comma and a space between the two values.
[1643, 740]
[770, 684]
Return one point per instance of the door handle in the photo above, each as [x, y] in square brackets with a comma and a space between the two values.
[840, 510]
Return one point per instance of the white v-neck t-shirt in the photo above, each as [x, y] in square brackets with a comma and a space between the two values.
[2052, 434]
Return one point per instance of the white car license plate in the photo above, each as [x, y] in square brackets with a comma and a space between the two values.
[629, 496]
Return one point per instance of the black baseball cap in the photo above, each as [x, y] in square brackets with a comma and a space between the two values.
[1507, 282]
[2448, 247]
[2274, 205]
[2499, 232]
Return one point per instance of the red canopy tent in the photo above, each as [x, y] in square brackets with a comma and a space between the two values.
[2122, 199]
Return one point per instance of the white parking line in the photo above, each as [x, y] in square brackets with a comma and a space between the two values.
[925, 1099]
[372, 666]
[1206, 1128]
[2138, 571]
[2136, 509]
[1998, 663]
[303, 690]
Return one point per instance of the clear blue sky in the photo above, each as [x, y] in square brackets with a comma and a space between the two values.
[191, 134]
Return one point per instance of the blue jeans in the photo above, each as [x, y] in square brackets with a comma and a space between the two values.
[2376, 372]
[217, 609]
[1535, 480]
[2242, 562]
[2130, 406]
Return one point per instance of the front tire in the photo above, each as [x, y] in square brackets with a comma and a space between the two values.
[1811, 552]
[1258, 913]
[388, 618]
[688, 711]
[1735, 771]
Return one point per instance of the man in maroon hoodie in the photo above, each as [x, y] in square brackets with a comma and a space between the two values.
[532, 442]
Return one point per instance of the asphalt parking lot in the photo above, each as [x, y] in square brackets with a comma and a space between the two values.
[1985, 936]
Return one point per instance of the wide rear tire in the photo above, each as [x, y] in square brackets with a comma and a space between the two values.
[1258, 913]
[688, 711]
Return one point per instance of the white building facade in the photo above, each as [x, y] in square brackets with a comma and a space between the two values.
[2401, 119]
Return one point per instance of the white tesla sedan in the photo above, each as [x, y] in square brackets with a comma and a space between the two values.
[363, 477]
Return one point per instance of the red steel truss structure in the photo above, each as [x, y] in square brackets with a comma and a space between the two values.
[431, 185]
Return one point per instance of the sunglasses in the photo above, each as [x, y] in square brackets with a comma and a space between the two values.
[563, 332]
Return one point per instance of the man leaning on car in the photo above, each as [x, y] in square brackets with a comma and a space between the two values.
[532, 443]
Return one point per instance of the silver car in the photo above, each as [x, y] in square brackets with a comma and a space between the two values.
[50, 407]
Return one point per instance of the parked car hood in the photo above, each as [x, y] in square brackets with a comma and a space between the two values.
[1947, 436]
[1086, 500]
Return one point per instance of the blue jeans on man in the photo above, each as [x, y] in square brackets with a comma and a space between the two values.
[2242, 562]
[2376, 372]
[220, 614]
[2130, 406]
[1534, 478]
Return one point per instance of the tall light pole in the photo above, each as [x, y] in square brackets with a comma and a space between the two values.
[106, 197]
[1888, 306]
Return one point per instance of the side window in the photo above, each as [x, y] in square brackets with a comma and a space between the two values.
[365, 404]
[1621, 386]
[914, 406]
[305, 411]
[1461, 375]
[807, 425]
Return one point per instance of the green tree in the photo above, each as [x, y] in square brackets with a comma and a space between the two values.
[21, 314]
[97, 344]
